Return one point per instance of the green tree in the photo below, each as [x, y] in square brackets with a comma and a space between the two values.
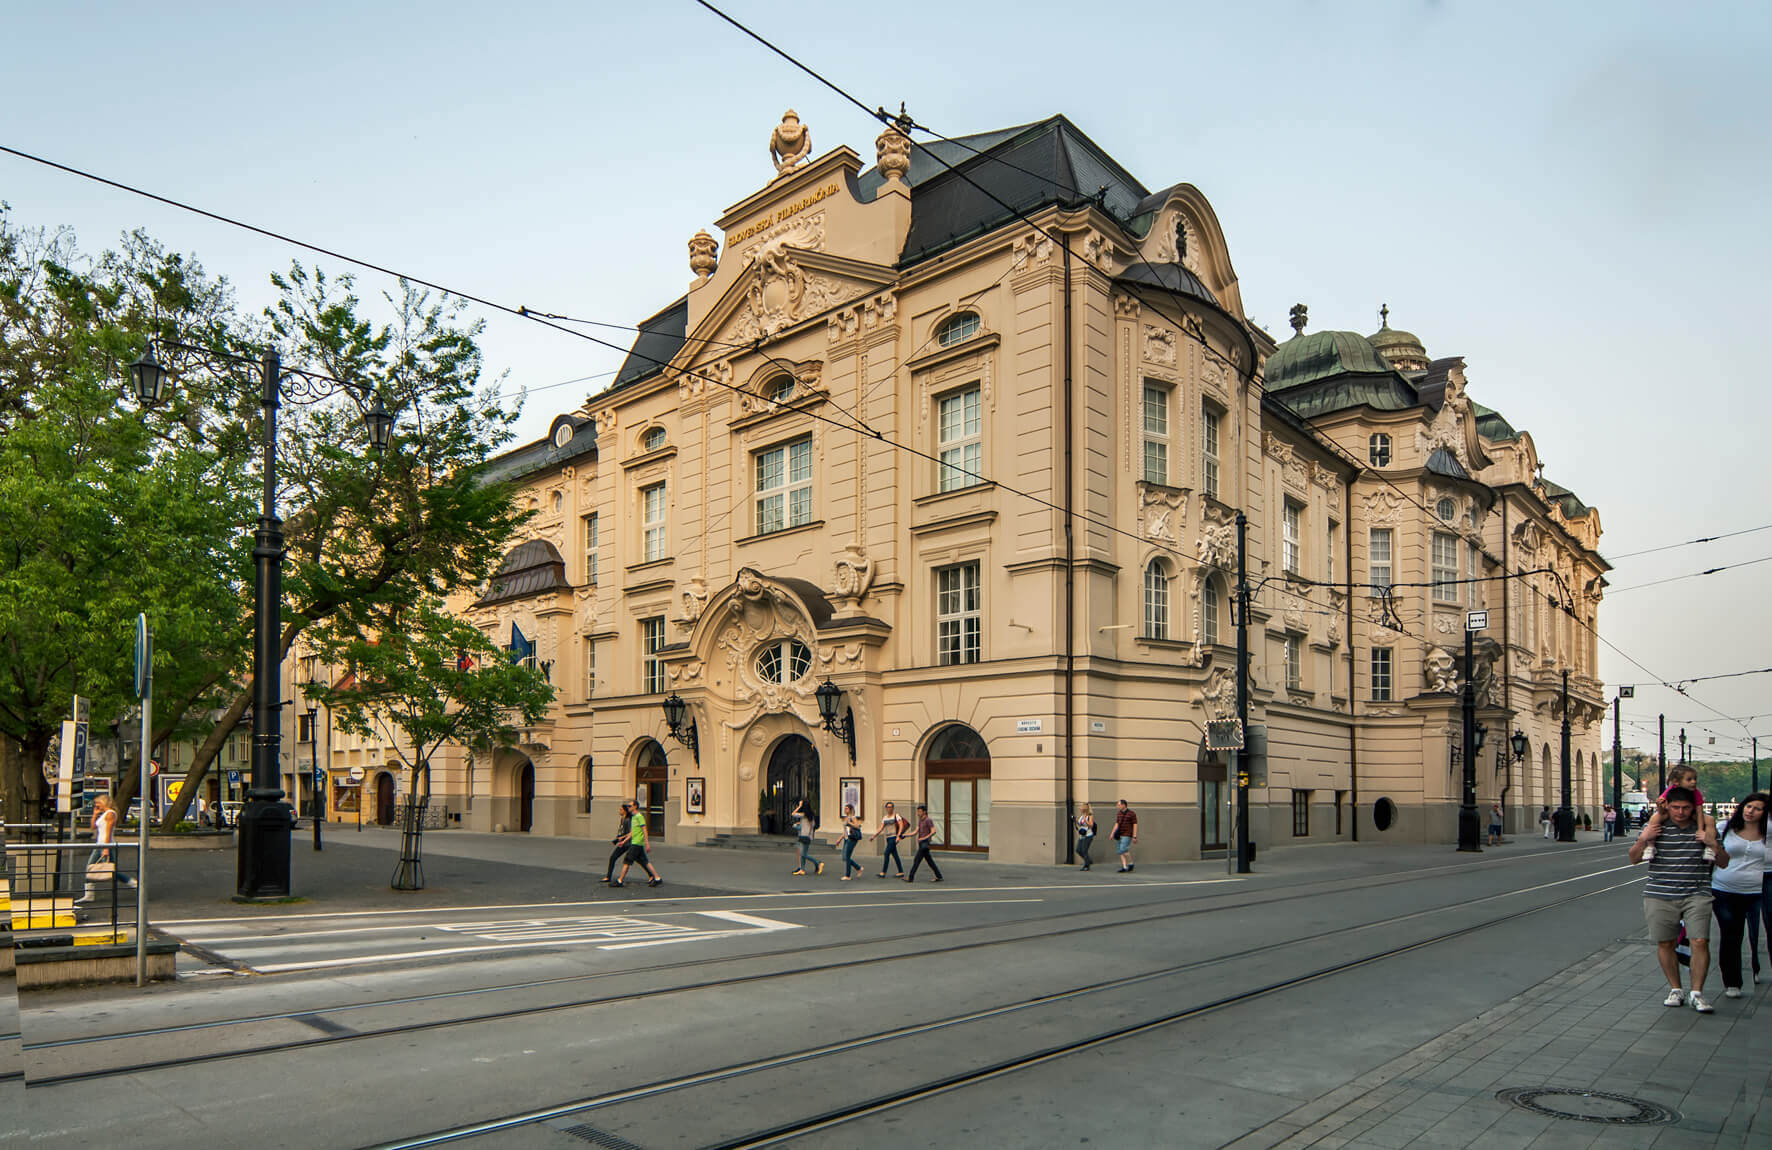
[418, 680]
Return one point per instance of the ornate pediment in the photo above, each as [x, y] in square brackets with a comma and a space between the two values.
[785, 284]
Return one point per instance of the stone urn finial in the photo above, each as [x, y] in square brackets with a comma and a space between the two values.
[704, 255]
[790, 143]
[892, 151]
[1300, 316]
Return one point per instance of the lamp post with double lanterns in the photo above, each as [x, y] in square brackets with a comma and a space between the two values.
[680, 726]
[265, 825]
[830, 697]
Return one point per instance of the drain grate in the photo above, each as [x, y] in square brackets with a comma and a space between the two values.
[598, 1137]
[1589, 1106]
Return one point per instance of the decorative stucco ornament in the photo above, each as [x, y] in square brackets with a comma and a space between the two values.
[892, 151]
[854, 573]
[1442, 670]
[704, 255]
[790, 143]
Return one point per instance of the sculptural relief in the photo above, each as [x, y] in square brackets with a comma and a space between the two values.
[1441, 669]
[1382, 506]
[790, 143]
[853, 574]
[1162, 512]
[1159, 345]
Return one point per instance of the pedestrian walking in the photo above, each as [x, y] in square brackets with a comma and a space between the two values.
[1610, 818]
[894, 826]
[1125, 834]
[1086, 834]
[1494, 824]
[808, 826]
[1544, 821]
[925, 836]
[1739, 890]
[851, 836]
[620, 840]
[1679, 891]
[101, 863]
[636, 852]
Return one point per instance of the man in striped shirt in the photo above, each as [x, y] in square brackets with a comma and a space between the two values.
[1679, 890]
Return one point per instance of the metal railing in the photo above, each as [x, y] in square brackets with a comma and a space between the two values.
[47, 881]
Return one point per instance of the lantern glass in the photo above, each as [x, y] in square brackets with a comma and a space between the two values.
[148, 377]
[1519, 742]
[829, 696]
[674, 706]
[381, 426]
[1480, 734]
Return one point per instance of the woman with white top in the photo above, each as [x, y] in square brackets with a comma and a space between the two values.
[894, 826]
[1086, 833]
[1738, 890]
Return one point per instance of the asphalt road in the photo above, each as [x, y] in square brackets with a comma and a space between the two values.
[1006, 1007]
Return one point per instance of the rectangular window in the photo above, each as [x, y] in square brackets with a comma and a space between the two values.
[1445, 567]
[958, 617]
[304, 728]
[1332, 544]
[1378, 559]
[960, 438]
[1289, 549]
[1340, 799]
[1209, 612]
[1209, 452]
[1301, 814]
[590, 653]
[784, 486]
[652, 673]
[1156, 601]
[1381, 674]
[1295, 662]
[652, 522]
[1156, 433]
[590, 534]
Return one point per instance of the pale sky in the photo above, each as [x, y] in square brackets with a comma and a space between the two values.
[1568, 195]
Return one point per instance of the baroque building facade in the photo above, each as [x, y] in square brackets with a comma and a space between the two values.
[978, 470]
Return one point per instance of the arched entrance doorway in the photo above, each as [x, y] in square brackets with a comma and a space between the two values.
[526, 795]
[384, 799]
[652, 788]
[958, 788]
[1214, 825]
[792, 776]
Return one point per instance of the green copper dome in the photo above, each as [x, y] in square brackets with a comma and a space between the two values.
[1321, 354]
[1401, 348]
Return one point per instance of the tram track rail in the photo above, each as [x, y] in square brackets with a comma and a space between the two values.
[832, 1117]
[329, 1032]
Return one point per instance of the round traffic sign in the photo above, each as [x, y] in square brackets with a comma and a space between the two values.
[356, 774]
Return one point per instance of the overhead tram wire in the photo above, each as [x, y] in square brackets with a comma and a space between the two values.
[1689, 575]
[1689, 543]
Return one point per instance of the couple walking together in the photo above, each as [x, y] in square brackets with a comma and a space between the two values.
[630, 846]
[1125, 834]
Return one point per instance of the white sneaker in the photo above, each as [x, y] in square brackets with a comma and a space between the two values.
[1702, 1004]
[1731, 992]
[1675, 997]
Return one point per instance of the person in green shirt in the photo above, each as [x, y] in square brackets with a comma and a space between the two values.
[637, 850]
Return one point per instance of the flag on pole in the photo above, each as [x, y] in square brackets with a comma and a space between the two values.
[521, 647]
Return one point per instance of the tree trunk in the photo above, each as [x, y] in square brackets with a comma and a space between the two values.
[21, 776]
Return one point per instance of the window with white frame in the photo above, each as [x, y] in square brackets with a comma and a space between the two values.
[590, 661]
[1382, 668]
[1378, 558]
[1156, 433]
[1289, 537]
[1378, 449]
[1294, 661]
[1445, 567]
[652, 522]
[1209, 420]
[958, 614]
[589, 524]
[958, 328]
[653, 439]
[1446, 508]
[1331, 545]
[652, 672]
[1209, 609]
[960, 438]
[786, 661]
[784, 486]
[1156, 600]
[781, 388]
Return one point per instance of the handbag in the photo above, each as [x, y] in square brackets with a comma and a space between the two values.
[104, 869]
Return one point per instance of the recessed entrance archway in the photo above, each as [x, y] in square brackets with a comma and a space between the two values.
[652, 787]
[526, 795]
[384, 799]
[957, 770]
[792, 776]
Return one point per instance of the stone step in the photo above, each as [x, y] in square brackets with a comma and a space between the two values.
[753, 842]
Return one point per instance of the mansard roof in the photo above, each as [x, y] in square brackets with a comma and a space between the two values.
[661, 337]
[533, 567]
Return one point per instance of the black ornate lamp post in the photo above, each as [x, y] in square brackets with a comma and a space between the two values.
[1565, 822]
[265, 825]
[680, 725]
[830, 697]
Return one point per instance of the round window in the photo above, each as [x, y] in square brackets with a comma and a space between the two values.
[1446, 509]
[563, 435]
[783, 662]
[1384, 813]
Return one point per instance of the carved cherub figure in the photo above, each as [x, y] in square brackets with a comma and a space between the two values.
[790, 143]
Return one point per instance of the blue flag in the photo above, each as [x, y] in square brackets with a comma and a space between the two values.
[521, 647]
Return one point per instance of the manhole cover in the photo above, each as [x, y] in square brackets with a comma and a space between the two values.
[1589, 1106]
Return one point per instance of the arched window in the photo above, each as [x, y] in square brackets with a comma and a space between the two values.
[957, 328]
[1378, 449]
[783, 662]
[1156, 600]
[780, 389]
[584, 779]
[559, 501]
[1209, 609]
[653, 439]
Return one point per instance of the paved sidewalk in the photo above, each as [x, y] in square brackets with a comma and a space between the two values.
[1597, 1026]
